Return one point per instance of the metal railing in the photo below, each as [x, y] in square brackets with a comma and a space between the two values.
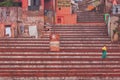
[107, 21]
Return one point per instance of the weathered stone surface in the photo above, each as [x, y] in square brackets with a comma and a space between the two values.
[60, 78]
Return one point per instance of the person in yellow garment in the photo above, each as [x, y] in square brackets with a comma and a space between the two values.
[104, 51]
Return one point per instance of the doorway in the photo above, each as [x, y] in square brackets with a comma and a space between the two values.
[8, 32]
[48, 11]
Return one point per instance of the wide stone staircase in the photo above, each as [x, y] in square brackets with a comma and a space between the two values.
[59, 66]
[24, 44]
[79, 57]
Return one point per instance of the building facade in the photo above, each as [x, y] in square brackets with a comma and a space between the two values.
[29, 19]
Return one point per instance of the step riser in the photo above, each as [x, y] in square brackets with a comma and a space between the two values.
[63, 34]
[87, 28]
[86, 39]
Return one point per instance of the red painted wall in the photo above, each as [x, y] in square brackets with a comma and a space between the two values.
[24, 4]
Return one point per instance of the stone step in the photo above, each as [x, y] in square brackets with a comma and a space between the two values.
[24, 42]
[60, 78]
[24, 49]
[58, 54]
[92, 24]
[65, 47]
[65, 72]
[62, 49]
[80, 30]
[31, 39]
[77, 36]
[80, 27]
[80, 33]
[97, 17]
[92, 15]
[15, 74]
[84, 34]
[94, 49]
[85, 62]
[90, 19]
[96, 41]
[62, 59]
[62, 62]
[86, 42]
[89, 13]
[69, 41]
[24, 39]
[88, 45]
[84, 39]
[57, 70]
[11, 48]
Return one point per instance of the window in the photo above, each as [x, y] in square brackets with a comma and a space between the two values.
[33, 4]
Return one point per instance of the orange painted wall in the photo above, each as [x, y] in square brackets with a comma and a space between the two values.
[1, 30]
[64, 10]
[64, 15]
